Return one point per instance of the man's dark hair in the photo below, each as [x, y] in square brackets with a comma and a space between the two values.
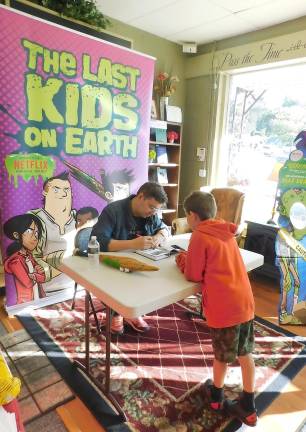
[201, 203]
[84, 210]
[153, 190]
[62, 176]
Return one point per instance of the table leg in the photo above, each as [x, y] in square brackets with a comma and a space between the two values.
[87, 331]
[86, 369]
[107, 349]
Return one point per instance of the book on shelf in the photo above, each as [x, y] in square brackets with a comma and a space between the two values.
[162, 155]
[161, 135]
[162, 176]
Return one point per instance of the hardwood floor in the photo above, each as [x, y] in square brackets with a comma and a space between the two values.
[287, 413]
[266, 294]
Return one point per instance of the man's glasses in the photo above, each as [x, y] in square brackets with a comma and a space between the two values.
[154, 209]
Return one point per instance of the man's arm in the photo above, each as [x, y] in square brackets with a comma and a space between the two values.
[104, 230]
[142, 242]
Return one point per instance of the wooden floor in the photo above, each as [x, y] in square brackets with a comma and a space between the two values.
[288, 411]
[286, 414]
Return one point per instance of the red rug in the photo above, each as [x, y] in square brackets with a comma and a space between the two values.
[157, 377]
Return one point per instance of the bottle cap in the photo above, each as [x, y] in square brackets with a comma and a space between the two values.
[93, 237]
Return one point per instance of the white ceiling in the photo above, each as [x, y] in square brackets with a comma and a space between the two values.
[201, 21]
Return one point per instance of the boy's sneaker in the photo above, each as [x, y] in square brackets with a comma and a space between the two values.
[138, 324]
[207, 390]
[235, 409]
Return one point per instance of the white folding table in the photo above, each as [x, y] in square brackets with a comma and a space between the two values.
[134, 294]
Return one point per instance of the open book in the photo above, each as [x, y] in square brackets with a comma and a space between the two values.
[159, 253]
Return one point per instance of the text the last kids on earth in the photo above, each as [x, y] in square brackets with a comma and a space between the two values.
[79, 108]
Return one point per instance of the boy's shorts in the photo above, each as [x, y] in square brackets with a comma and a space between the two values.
[232, 342]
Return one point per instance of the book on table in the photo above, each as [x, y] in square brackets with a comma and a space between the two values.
[160, 252]
[155, 253]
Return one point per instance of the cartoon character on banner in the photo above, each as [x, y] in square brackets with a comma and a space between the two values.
[113, 186]
[58, 220]
[28, 275]
[291, 238]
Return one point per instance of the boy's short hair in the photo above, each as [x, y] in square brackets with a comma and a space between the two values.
[153, 190]
[84, 210]
[201, 203]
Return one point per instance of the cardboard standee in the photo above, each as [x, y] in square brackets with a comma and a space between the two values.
[291, 238]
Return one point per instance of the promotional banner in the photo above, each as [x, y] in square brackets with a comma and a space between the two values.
[291, 238]
[74, 134]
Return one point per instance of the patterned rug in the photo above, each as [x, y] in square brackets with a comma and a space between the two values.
[157, 377]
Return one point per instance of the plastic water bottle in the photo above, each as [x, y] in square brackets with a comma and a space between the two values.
[93, 250]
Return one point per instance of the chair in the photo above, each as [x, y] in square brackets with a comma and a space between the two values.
[229, 207]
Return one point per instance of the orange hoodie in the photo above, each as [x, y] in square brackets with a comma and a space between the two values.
[213, 258]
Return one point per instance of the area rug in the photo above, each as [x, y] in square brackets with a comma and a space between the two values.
[157, 377]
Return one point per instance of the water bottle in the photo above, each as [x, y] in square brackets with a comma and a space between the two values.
[93, 250]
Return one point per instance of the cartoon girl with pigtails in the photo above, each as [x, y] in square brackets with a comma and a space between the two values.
[28, 275]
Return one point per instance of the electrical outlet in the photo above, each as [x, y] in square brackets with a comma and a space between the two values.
[202, 172]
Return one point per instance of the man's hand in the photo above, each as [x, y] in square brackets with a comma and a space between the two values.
[158, 240]
[160, 237]
[143, 242]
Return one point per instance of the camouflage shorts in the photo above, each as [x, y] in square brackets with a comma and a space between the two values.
[232, 342]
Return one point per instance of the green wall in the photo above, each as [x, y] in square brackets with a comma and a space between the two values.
[196, 129]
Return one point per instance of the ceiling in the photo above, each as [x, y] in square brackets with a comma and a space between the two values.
[201, 21]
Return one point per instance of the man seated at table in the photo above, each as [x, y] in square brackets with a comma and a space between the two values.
[132, 223]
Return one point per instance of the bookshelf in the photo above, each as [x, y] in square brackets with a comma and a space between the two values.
[164, 168]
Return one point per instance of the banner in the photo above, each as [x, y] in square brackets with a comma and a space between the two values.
[291, 238]
[74, 133]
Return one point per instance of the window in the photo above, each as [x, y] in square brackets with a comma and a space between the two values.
[266, 110]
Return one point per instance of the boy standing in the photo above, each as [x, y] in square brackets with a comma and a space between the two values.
[213, 258]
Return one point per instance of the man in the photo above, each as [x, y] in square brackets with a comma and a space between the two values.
[132, 223]
[58, 220]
